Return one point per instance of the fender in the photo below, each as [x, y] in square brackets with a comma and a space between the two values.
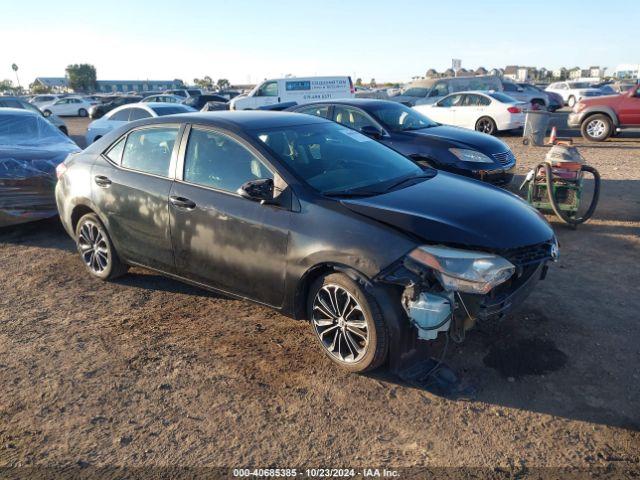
[595, 109]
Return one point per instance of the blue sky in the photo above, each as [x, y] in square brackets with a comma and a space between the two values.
[247, 41]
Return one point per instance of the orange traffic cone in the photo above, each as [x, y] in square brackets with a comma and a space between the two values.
[554, 136]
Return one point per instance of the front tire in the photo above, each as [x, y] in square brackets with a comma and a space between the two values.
[96, 249]
[348, 323]
[596, 128]
[486, 125]
[82, 112]
[46, 113]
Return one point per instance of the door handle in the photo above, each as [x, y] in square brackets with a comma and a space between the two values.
[102, 181]
[182, 202]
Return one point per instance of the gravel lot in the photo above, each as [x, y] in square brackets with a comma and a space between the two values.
[149, 372]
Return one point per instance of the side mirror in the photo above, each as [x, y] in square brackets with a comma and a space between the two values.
[260, 190]
[371, 131]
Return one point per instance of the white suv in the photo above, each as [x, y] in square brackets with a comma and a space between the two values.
[573, 92]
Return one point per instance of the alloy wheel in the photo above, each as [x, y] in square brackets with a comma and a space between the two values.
[596, 128]
[485, 126]
[93, 247]
[340, 323]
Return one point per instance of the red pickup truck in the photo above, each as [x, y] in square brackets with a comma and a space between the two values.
[601, 117]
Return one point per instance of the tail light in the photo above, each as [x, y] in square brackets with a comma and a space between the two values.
[351, 87]
[60, 169]
[514, 110]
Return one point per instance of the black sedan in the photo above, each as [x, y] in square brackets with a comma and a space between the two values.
[407, 131]
[98, 111]
[309, 217]
[199, 101]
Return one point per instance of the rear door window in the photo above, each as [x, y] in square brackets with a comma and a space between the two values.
[352, 118]
[149, 150]
[450, 101]
[121, 116]
[138, 114]
[317, 110]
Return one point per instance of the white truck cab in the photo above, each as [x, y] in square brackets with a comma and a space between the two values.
[294, 89]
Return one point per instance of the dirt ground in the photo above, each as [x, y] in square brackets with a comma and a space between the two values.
[148, 372]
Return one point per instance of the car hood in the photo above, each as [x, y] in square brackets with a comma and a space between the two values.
[453, 210]
[603, 99]
[462, 138]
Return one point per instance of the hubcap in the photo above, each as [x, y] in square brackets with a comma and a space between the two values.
[596, 128]
[93, 247]
[340, 323]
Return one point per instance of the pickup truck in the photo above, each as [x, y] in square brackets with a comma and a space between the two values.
[601, 117]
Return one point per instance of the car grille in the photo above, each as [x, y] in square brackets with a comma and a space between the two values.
[505, 158]
[524, 256]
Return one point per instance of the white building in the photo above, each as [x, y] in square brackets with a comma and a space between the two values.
[627, 70]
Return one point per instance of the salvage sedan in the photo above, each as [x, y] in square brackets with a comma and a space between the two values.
[309, 217]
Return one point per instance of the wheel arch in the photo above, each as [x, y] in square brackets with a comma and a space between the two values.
[315, 272]
[601, 110]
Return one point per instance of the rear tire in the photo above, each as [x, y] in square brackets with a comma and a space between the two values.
[486, 125]
[571, 102]
[46, 113]
[64, 130]
[96, 249]
[348, 323]
[82, 112]
[596, 128]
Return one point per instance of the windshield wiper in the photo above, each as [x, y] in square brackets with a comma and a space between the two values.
[351, 193]
[423, 175]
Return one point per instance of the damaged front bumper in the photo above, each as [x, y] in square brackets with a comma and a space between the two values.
[431, 306]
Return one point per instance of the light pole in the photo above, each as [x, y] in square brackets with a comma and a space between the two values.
[14, 67]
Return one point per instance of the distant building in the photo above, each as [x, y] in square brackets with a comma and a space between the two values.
[54, 84]
[627, 71]
[519, 74]
[498, 72]
[60, 85]
[597, 72]
[560, 73]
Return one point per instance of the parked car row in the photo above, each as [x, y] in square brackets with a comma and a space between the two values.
[129, 113]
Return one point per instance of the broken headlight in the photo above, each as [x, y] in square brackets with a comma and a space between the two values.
[464, 270]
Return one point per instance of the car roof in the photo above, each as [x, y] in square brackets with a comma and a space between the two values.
[240, 120]
[17, 111]
[353, 102]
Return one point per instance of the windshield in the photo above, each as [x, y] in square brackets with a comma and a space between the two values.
[501, 97]
[416, 92]
[172, 109]
[400, 118]
[336, 160]
[579, 85]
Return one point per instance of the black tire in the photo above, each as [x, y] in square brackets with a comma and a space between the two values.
[486, 125]
[105, 265]
[82, 112]
[596, 128]
[375, 349]
[46, 113]
[571, 101]
[64, 130]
